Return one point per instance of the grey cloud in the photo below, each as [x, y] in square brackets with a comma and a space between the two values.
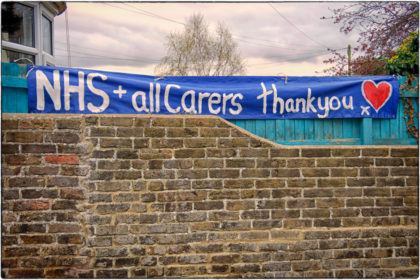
[142, 38]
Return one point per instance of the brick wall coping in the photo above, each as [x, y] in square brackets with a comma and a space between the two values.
[64, 116]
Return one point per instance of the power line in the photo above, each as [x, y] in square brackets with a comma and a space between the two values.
[259, 39]
[79, 46]
[104, 58]
[261, 44]
[240, 36]
[141, 59]
[122, 8]
[155, 15]
[252, 38]
[82, 47]
[291, 60]
[147, 13]
[311, 52]
[321, 53]
[291, 23]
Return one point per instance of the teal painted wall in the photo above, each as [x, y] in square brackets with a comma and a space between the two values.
[289, 132]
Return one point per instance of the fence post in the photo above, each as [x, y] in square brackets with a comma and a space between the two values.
[366, 133]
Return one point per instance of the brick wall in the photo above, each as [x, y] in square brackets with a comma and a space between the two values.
[138, 196]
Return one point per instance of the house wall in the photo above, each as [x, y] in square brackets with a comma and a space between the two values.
[152, 196]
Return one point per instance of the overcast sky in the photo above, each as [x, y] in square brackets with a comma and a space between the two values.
[289, 39]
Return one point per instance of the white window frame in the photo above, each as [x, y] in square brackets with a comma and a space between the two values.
[48, 59]
[41, 58]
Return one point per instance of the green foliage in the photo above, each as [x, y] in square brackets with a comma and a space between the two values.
[406, 59]
[406, 63]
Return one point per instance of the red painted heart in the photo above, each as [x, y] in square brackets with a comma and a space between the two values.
[376, 95]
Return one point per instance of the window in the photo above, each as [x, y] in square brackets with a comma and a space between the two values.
[46, 35]
[27, 31]
[18, 24]
[21, 58]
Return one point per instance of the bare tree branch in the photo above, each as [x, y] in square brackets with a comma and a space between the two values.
[382, 27]
[196, 52]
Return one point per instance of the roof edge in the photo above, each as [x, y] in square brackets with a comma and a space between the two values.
[62, 6]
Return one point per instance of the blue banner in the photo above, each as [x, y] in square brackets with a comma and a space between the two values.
[80, 91]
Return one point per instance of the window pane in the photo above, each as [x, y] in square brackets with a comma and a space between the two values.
[16, 57]
[17, 24]
[46, 35]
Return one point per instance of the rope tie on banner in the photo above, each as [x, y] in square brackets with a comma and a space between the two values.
[285, 78]
[27, 59]
[30, 70]
[23, 58]
[160, 78]
[396, 76]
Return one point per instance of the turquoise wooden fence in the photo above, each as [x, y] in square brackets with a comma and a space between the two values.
[289, 132]
[14, 88]
[364, 131]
